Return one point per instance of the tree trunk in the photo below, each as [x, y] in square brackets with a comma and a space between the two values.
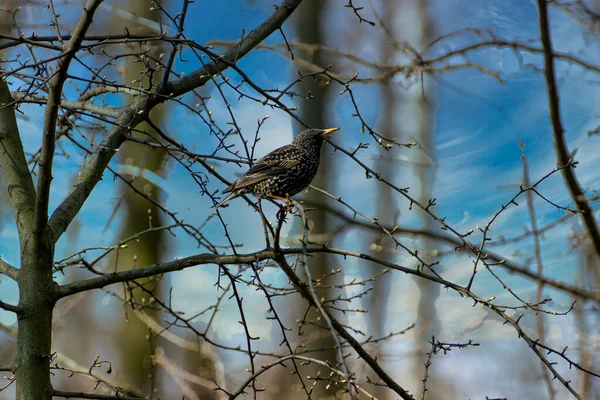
[34, 337]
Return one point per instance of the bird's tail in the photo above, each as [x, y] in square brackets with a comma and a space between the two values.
[232, 195]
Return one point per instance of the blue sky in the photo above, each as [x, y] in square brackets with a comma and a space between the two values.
[477, 127]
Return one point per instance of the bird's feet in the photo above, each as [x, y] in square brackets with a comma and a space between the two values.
[285, 209]
[286, 201]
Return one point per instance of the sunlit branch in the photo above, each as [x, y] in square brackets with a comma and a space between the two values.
[111, 112]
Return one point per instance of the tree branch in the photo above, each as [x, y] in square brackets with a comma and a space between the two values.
[305, 292]
[14, 168]
[132, 115]
[249, 42]
[6, 368]
[47, 40]
[459, 289]
[10, 307]
[83, 395]
[562, 153]
[8, 270]
[281, 360]
[279, 257]
[71, 366]
[51, 114]
[160, 268]
[69, 105]
[503, 262]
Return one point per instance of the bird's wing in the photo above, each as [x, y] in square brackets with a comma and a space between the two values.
[272, 164]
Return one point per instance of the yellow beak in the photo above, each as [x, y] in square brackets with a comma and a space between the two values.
[329, 131]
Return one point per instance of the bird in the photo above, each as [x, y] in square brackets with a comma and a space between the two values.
[285, 171]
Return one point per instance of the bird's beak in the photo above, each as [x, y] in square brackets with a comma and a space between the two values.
[329, 131]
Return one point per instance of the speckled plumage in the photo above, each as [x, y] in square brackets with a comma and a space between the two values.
[285, 171]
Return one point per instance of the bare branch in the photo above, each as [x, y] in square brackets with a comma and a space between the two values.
[427, 365]
[135, 113]
[8, 270]
[500, 260]
[181, 17]
[10, 307]
[538, 259]
[14, 166]
[360, 350]
[161, 268]
[562, 152]
[356, 11]
[51, 114]
[71, 366]
[279, 257]
[176, 371]
[68, 105]
[499, 42]
[89, 129]
[281, 360]
[83, 395]
[249, 42]
[6, 368]
[315, 298]
[466, 292]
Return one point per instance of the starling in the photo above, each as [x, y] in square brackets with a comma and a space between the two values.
[284, 171]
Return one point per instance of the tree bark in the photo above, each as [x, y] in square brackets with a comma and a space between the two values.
[34, 337]
[36, 287]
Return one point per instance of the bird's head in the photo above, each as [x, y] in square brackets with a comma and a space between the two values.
[311, 137]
